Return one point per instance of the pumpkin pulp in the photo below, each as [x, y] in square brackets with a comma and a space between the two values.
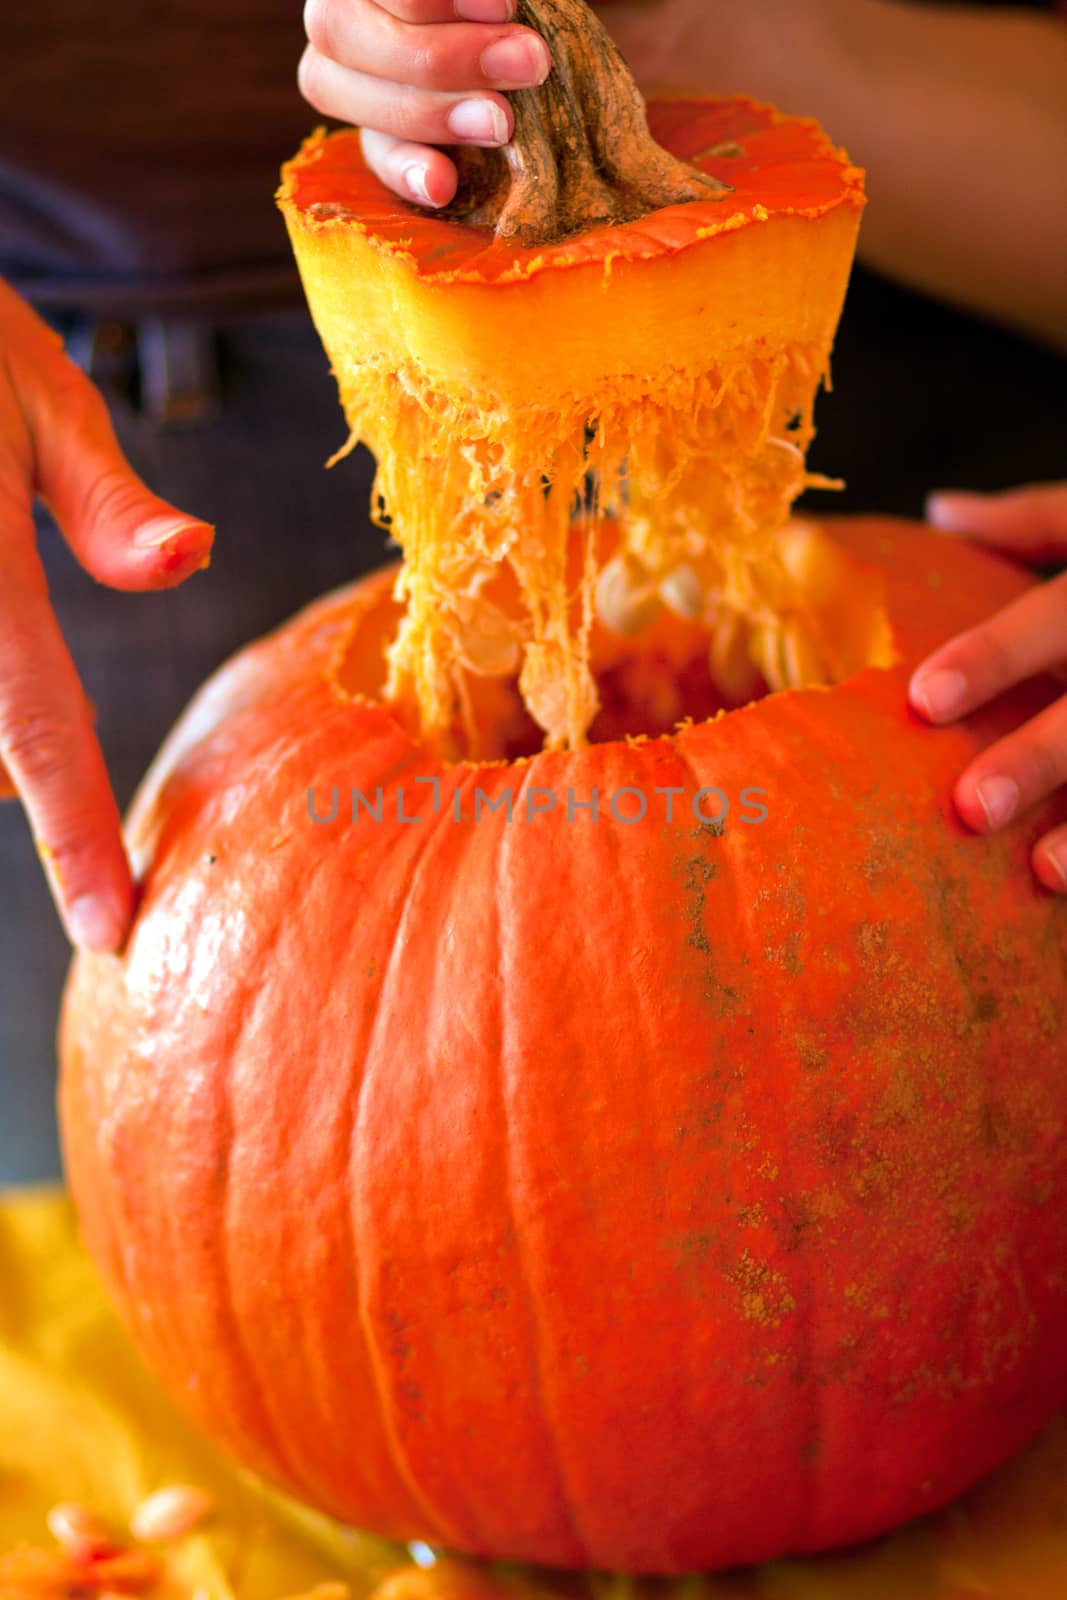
[675, 669]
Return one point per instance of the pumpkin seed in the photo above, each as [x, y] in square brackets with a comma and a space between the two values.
[730, 659]
[171, 1513]
[767, 652]
[79, 1531]
[626, 598]
[800, 658]
[486, 642]
[683, 591]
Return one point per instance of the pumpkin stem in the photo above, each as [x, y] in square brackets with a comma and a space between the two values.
[581, 155]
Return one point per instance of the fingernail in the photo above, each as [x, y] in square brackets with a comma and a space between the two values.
[949, 509]
[480, 121]
[174, 555]
[999, 799]
[485, 10]
[415, 181]
[1056, 855]
[522, 60]
[940, 694]
[160, 530]
[95, 922]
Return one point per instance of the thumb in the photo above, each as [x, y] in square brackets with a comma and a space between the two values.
[1030, 522]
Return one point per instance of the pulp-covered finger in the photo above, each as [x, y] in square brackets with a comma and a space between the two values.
[50, 749]
[1027, 637]
[421, 116]
[1016, 773]
[452, 55]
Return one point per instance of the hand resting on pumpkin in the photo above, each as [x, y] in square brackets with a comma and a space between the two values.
[56, 442]
[1027, 637]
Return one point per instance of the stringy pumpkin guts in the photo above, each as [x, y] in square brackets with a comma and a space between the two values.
[522, 379]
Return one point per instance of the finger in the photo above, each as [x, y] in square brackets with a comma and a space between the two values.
[122, 533]
[1031, 521]
[421, 116]
[417, 172]
[424, 11]
[1015, 773]
[1050, 860]
[366, 38]
[1027, 637]
[50, 750]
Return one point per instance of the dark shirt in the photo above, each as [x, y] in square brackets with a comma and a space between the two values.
[140, 143]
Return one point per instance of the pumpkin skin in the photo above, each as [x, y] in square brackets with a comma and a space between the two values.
[650, 1197]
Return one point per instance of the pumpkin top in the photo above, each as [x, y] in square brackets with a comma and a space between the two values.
[683, 401]
[774, 165]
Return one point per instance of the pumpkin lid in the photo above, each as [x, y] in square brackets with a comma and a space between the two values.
[773, 165]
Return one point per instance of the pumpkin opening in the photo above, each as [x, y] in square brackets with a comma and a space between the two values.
[666, 658]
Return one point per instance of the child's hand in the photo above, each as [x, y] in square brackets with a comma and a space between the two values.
[1027, 637]
[413, 74]
[56, 441]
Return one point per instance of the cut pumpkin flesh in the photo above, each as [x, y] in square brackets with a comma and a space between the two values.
[661, 372]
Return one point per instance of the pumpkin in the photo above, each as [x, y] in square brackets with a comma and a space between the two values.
[573, 1091]
[637, 321]
[649, 1194]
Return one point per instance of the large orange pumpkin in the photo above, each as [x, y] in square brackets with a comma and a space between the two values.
[645, 1153]
[655, 1195]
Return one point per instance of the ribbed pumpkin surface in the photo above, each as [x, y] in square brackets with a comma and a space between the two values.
[655, 1196]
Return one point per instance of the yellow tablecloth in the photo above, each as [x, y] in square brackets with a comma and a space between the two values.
[81, 1420]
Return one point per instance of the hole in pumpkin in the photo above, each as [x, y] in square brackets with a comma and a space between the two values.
[672, 666]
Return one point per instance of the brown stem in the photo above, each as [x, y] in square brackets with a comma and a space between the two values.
[581, 155]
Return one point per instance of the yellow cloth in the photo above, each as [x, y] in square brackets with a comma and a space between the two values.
[81, 1421]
